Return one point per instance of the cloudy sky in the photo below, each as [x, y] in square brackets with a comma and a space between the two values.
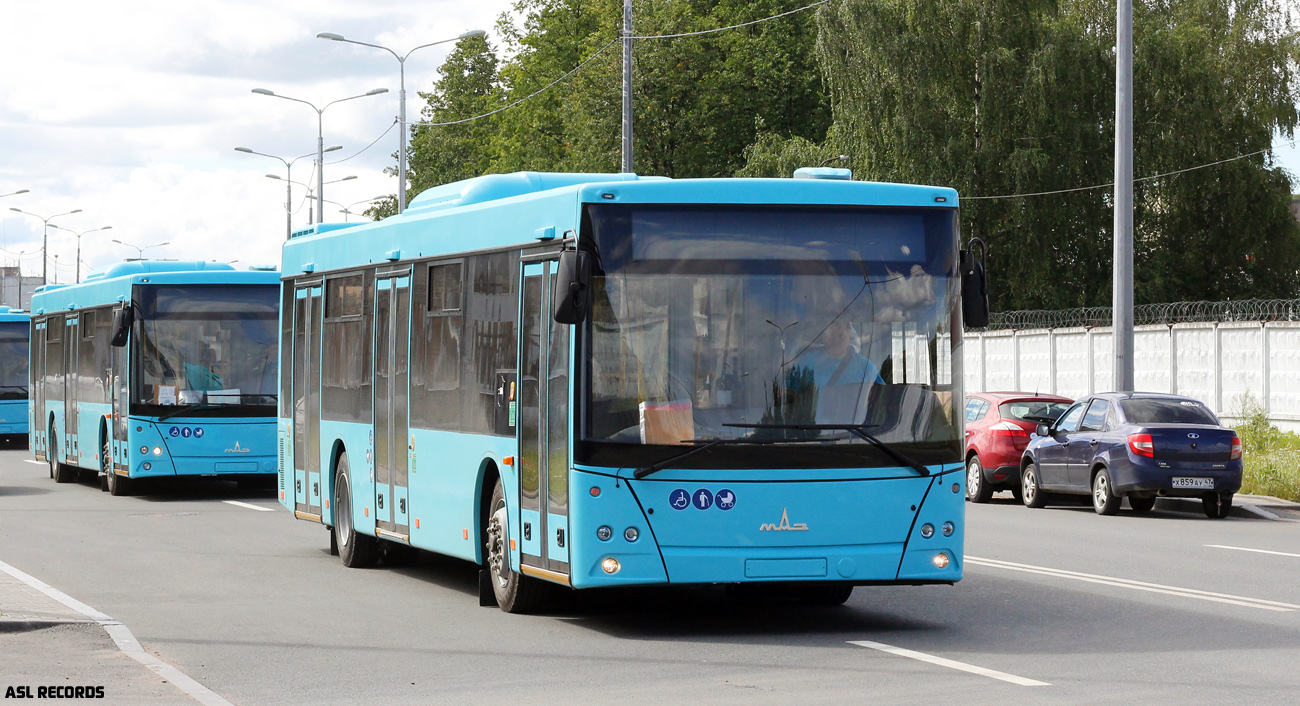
[130, 110]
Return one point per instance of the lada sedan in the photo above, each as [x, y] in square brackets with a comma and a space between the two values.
[1137, 446]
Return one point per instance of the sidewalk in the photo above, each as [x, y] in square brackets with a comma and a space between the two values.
[24, 608]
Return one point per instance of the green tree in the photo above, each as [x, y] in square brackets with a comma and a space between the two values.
[1000, 97]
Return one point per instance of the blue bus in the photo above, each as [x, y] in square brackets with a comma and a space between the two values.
[600, 380]
[14, 337]
[156, 369]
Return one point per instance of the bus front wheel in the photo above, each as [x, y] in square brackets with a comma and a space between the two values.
[357, 551]
[113, 483]
[515, 593]
[60, 472]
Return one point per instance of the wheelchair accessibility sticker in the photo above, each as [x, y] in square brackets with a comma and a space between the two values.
[702, 499]
[679, 499]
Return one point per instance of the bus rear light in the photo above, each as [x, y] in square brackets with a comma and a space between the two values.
[610, 565]
[941, 560]
[1236, 447]
[1142, 445]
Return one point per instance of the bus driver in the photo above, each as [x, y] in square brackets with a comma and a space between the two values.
[843, 376]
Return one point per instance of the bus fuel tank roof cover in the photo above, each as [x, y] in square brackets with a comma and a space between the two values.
[834, 173]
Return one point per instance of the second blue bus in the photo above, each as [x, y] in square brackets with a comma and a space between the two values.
[156, 369]
[14, 339]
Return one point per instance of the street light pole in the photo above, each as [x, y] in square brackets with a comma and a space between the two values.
[139, 251]
[45, 239]
[288, 173]
[309, 190]
[627, 86]
[84, 232]
[15, 193]
[320, 134]
[1122, 286]
[401, 98]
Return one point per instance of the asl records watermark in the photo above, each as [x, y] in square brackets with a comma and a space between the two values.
[54, 692]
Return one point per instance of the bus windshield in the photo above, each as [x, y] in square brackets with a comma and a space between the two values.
[771, 324]
[13, 360]
[212, 347]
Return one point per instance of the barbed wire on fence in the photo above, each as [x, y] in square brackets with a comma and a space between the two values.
[1261, 310]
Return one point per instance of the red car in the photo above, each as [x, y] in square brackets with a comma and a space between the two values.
[998, 428]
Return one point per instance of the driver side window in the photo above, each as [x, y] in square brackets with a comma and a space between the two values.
[1070, 420]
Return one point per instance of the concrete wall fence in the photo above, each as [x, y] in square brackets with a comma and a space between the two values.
[1218, 363]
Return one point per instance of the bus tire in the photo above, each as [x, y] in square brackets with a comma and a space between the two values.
[515, 593]
[61, 472]
[356, 551]
[825, 594]
[113, 483]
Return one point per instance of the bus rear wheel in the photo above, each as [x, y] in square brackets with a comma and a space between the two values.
[357, 551]
[515, 593]
[60, 472]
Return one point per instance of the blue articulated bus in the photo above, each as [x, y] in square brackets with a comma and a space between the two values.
[603, 380]
[156, 369]
[14, 338]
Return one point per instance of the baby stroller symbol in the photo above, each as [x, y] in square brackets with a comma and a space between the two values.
[725, 499]
[679, 499]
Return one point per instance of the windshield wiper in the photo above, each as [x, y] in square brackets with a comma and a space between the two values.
[658, 466]
[856, 429]
[186, 408]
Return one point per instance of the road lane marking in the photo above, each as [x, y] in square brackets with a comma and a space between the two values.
[1138, 585]
[125, 641]
[951, 664]
[1247, 549]
[32, 460]
[249, 506]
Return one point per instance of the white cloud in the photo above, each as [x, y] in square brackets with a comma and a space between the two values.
[130, 111]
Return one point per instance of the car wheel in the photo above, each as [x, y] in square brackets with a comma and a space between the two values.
[1104, 499]
[977, 491]
[1217, 505]
[1030, 494]
[1141, 505]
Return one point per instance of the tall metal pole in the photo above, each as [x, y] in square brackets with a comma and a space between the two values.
[288, 201]
[401, 125]
[45, 254]
[627, 86]
[320, 164]
[1122, 290]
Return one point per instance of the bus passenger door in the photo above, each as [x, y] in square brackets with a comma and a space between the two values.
[71, 383]
[392, 336]
[36, 395]
[307, 313]
[543, 429]
[120, 395]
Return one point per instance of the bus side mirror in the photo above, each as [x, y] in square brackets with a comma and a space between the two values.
[122, 320]
[571, 284]
[974, 292]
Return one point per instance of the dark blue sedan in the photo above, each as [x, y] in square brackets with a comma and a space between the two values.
[1133, 445]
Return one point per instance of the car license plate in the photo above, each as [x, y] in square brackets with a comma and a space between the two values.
[1207, 483]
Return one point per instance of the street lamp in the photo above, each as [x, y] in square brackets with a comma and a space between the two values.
[310, 189]
[401, 99]
[15, 193]
[347, 210]
[140, 250]
[45, 240]
[288, 173]
[320, 133]
[92, 230]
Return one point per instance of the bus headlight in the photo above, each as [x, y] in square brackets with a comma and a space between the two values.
[948, 528]
[941, 560]
[927, 530]
[604, 532]
[144, 449]
[610, 565]
[157, 450]
[631, 534]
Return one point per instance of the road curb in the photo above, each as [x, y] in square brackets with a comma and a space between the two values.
[8, 625]
[1245, 511]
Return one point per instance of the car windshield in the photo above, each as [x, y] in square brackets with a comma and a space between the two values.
[1156, 411]
[1038, 411]
[708, 322]
[13, 360]
[210, 344]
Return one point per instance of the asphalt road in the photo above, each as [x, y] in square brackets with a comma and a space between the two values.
[1063, 606]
